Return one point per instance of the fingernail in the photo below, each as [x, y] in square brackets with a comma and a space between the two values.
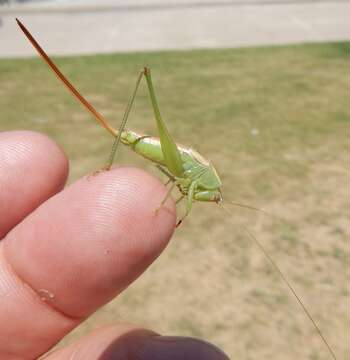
[148, 346]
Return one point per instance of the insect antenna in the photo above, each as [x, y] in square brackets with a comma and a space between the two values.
[251, 207]
[99, 118]
[283, 277]
[229, 202]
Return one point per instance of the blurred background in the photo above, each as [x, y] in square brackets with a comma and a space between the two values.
[261, 88]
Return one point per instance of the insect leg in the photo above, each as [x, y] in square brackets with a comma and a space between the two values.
[168, 182]
[171, 178]
[179, 199]
[171, 153]
[190, 197]
[123, 123]
[167, 195]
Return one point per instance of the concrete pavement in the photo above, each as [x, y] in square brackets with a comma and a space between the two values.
[88, 26]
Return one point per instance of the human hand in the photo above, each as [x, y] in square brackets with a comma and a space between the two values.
[64, 254]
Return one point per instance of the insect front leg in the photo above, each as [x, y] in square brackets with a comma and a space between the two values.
[179, 199]
[170, 177]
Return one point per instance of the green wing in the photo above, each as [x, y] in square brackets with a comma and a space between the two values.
[172, 156]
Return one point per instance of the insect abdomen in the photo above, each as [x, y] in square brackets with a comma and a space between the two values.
[144, 145]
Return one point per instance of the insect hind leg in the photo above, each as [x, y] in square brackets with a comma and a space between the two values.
[123, 124]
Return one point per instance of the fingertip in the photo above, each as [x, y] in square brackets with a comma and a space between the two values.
[30, 147]
[32, 169]
[125, 200]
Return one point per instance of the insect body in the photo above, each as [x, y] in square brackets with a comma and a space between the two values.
[193, 175]
[197, 177]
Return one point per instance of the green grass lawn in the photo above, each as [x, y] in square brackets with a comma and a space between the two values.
[275, 121]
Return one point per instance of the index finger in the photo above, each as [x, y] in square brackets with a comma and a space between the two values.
[76, 252]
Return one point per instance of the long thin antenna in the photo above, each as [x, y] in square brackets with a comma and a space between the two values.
[288, 284]
[248, 207]
[306, 311]
[65, 81]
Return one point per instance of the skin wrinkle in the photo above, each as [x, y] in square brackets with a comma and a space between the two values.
[20, 293]
[105, 202]
[33, 294]
[14, 152]
[6, 281]
[23, 149]
[103, 219]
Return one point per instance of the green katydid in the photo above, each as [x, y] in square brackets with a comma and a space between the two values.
[194, 176]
